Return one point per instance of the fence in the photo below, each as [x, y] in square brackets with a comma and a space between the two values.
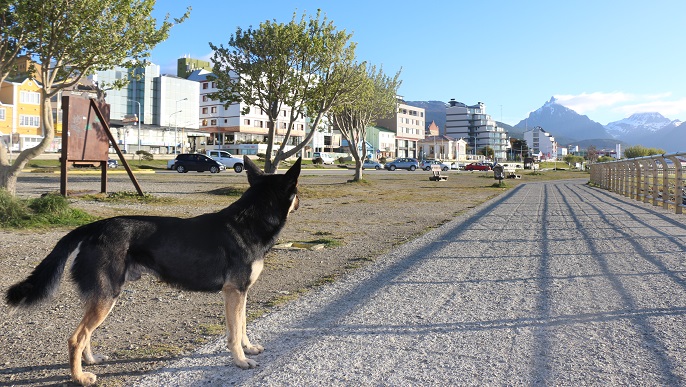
[654, 179]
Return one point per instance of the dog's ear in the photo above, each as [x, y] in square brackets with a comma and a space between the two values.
[252, 170]
[294, 171]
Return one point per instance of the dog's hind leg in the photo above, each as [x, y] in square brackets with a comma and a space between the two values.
[88, 356]
[79, 342]
[234, 305]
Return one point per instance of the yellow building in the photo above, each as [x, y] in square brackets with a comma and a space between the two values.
[20, 101]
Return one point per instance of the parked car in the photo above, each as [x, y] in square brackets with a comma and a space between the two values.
[196, 162]
[408, 163]
[477, 167]
[227, 159]
[426, 164]
[447, 165]
[326, 158]
[112, 163]
[371, 164]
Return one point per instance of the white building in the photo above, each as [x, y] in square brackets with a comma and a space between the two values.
[541, 144]
[167, 106]
[408, 124]
[228, 127]
[477, 128]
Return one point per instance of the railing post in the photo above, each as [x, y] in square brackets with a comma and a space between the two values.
[678, 184]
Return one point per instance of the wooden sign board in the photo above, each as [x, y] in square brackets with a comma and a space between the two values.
[83, 134]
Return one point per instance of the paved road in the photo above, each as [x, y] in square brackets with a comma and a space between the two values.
[550, 284]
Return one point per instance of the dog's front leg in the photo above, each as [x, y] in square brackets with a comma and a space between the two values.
[234, 305]
[248, 347]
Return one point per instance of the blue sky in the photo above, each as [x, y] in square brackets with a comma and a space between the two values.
[606, 59]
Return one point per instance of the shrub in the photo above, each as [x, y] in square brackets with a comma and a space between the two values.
[12, 211]
[145, 155]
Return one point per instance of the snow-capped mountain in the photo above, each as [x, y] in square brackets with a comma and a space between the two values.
[564, 123]
[638, 125]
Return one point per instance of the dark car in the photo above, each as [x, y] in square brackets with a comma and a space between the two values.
[402, 163]
[196, 162]
[477, 167]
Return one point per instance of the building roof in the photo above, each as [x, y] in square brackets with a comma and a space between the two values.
[441, 137]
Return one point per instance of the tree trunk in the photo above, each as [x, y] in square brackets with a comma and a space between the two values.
[8, 180]
[10, 172]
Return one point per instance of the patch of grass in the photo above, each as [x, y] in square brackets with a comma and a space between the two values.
[228, 191]
[211, 329]
[156, 350]
[322, 233]
[125, 196]
[284, 298]
[48, 210]
[327, 242]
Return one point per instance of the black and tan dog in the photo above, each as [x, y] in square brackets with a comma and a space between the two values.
[222, 251]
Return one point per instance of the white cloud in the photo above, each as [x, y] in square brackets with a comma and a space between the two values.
[664, 107]
[588, 102]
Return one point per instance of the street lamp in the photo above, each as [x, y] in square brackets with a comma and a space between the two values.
[139, 122]
[176, 123]
[176, 129]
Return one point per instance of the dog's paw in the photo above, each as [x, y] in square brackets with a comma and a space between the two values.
[94, 359]
[245, 363]
[255, 349]
[86, 379]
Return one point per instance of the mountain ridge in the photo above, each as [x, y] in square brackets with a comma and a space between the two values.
[571, 128]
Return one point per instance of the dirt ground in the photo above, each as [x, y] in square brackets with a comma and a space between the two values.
[152, 323]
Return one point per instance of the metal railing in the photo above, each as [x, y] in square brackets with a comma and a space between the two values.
[657, 179]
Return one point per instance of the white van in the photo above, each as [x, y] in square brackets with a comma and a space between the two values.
[324, 156]
[227, 159]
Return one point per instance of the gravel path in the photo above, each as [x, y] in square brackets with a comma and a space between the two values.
[550, 284]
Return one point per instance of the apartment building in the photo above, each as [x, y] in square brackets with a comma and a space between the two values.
[233, 129]
[476, 127]
[20, 113]
[542, 144]
[408, 124]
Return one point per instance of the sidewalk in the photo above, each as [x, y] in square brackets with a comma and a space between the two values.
[552, 283]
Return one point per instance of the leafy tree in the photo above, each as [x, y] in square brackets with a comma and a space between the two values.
[572, 160]
[487, 151]
[13, 36]
[375, 98]
[304, 65]
[71, 39]
[519, 147]
[640, 151]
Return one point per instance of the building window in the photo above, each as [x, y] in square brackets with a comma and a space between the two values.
[246, 122]
[258, 124]
[284, 113]
[204, 98]
[204, 110]
[214, 85]
[204, 123]
[283, 125]
[33, 121]
[213, 109]
[2, 114]
[29, 97]
[213, 122]
[205, 85]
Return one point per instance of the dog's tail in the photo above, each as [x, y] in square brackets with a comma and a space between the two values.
[45, 278]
